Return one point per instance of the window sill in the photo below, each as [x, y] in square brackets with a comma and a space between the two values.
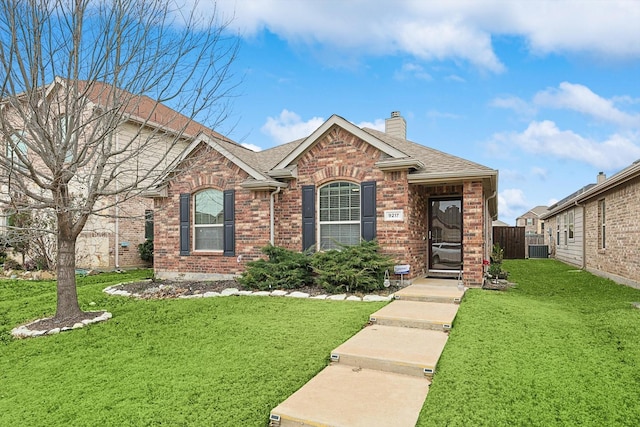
[207, 252]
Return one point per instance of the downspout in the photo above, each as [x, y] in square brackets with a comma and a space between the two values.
[272, 221]
[117, 212]
[584, 240]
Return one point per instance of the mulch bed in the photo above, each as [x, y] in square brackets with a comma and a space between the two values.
[52, 323]
[174, 288]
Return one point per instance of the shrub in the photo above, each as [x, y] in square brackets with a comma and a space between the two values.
[358, 268]
[284, 269]
[146, 250]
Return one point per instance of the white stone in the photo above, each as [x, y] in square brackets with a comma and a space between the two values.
[261, 294]
[354, 298]
[278, 293]
[53, 331]
[319, 297]
[77, 325]
[88, 321]
[191, 296]
[375, 298]
[210, 294]
[298, 294]
[245, 293]
[229, 291]
[340, 297]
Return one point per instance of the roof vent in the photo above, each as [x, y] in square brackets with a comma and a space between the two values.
[396, 125]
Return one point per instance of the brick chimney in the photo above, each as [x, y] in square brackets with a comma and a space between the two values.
[601, 177]
[396, 125]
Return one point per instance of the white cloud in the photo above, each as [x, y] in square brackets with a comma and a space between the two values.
[539, 172]
[580, 98]
[377, 124]
[251, 147]
[546, 139]
[519, 105]
[288, 126]
[410, 70]
[453, 30]
[511, 204]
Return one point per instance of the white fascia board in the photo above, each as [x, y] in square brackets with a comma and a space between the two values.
[439, 177]
[237, 161]
[349, 127]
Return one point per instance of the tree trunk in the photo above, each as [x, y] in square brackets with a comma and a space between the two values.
[68, 306]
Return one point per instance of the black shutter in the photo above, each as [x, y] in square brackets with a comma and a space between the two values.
[185, 223]
[229, 223]
[368, 210]
[148, 224]
[308, 217]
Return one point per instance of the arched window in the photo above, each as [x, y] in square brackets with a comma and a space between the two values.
[339, 214]
[208, 221]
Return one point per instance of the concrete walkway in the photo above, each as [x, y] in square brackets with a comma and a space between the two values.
[381, 375]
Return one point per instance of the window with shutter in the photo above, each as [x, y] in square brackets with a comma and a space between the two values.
[339, 214]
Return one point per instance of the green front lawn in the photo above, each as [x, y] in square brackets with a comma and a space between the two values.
[560, 349]
[195, 362]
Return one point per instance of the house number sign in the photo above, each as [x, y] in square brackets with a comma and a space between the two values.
[394, 215]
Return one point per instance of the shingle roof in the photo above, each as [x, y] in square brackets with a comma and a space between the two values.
[435, 161]
[592, 190]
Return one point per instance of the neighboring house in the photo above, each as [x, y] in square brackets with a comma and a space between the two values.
[341, 184]
[606, 237]
[110, 240]
[499, 223]
[531, 221]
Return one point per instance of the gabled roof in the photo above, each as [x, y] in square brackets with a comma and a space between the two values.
[140, 108]
[311, 140]
[537, 211]
[425, 165]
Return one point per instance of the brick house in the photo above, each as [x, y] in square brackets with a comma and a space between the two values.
[596, 228]
[531, 221]
[110, 240]
[427, 209]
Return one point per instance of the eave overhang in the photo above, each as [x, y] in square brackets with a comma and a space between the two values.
[262, 185]
[392, 165]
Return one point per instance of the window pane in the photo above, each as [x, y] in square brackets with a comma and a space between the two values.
[208, 207]
[346, 234]
[209, 238]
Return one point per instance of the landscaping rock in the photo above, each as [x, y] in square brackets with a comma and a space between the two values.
[278, 293]
[354, 298]
[210, 294]
[297, 294]
[245, 293]
[375, 298]
[229, 292]
[340, 297]
[319, 297]
[261, 294]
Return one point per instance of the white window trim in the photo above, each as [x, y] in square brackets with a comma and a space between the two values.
[197, 226]
[321, 223]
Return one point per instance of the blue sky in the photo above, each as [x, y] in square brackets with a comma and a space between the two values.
[547, 92]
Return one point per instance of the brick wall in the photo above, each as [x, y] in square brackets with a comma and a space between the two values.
[620, 259]
[209, 169]
[337, 156]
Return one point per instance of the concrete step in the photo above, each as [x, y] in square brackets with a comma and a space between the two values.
[415, 314]
[342, 395]
[432, 292]
[406, 351]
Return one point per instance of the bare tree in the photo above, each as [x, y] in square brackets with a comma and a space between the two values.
[75, 76]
